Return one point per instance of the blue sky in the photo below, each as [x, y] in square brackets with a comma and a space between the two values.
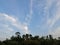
[36, 17]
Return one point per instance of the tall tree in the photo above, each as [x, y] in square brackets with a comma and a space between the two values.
[50, 37]
[27, 36]
[23, 36]
[17, 34]
[30, 36]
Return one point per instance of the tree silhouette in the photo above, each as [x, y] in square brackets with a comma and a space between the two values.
[30, 36]
[17, 33]
[30, 40]
[27, 36]
[50, 37]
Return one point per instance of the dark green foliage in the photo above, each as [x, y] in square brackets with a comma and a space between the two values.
[28, 39]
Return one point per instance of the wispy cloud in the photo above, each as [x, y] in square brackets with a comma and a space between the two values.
[54, 20]
[55, 17]
[51, 10]
[7, 21]
[29, 16]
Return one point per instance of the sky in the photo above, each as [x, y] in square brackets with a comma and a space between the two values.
[36, 17]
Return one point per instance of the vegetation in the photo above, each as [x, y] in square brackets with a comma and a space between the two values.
[28, 39]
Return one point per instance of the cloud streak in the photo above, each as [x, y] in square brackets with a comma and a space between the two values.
[7, 24]
[51, 10]
[55, 17]
[29, 16]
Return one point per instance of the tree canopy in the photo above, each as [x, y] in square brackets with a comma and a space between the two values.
[28, 39]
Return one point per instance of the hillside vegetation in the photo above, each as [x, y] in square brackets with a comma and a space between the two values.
[28, 39]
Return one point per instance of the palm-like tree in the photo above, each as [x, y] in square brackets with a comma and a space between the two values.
[23, 36]
[27, 36]
[50, 37]
[17, 34]
[47, 37]
[30, 36]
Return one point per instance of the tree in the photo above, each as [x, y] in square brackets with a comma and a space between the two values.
[12, 38]
[30, 36]
[59, 38]
[47, 37]
[23, 36]
[50, 37]
[17, 34]
[27, 36]
[36, 37]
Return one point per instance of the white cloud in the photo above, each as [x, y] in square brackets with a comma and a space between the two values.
[15, 22]
[7, 21]
[51, 21]
[56, 17]
[10, 18]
